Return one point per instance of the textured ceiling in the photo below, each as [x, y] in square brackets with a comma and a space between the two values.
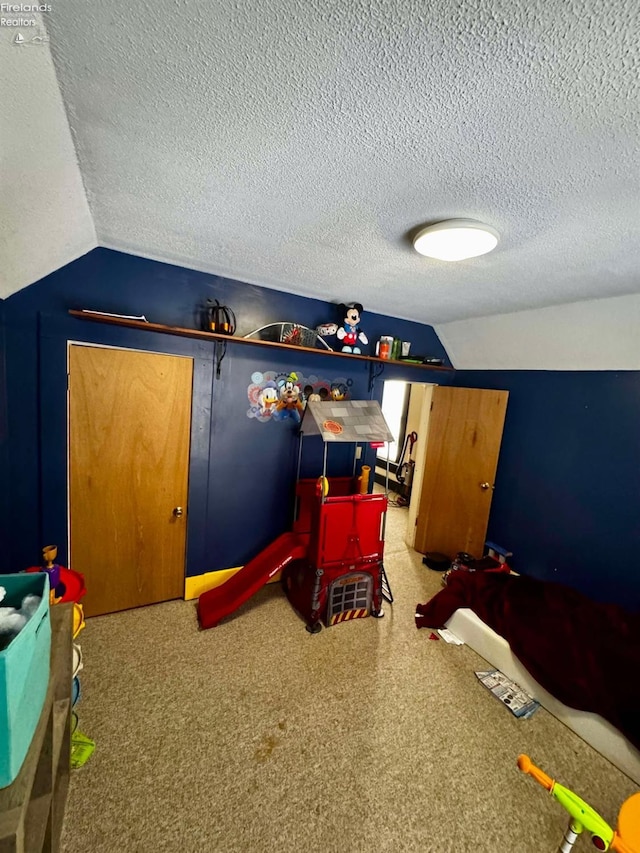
[296, 143]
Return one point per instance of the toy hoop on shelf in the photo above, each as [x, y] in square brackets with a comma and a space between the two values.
[293, 334]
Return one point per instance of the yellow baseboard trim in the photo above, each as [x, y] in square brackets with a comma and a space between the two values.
[195, 586]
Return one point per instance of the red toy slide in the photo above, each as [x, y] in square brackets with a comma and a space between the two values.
[215, 604]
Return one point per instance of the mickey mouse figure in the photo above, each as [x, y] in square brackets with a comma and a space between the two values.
[349, 332]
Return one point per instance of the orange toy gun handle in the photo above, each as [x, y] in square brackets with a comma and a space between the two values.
[527, 766]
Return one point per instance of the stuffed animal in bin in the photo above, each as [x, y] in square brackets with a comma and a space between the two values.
[13, 620]
[349, 332]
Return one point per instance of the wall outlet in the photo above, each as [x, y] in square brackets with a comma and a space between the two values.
[358, 452]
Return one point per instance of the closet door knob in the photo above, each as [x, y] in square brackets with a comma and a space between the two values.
[485, 486]
[178, 511]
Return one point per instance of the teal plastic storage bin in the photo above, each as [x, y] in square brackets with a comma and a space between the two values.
[24, 673]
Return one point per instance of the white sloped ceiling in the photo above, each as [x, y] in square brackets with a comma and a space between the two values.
[601, 334]
[45, 220]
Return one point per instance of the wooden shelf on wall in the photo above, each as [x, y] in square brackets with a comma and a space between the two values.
[212, 336]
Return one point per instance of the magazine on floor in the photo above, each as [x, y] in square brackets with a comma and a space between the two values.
[509, 693]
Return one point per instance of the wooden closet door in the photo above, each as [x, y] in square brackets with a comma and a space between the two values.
[129, 436]
[464, 435]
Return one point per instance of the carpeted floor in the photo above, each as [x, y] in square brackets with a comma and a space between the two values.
[257, 736]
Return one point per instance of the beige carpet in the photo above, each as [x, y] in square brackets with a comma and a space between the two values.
[257, 736]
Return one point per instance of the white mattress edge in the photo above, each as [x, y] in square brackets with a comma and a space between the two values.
[592, 728]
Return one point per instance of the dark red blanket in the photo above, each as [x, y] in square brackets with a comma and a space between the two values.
[585, 654]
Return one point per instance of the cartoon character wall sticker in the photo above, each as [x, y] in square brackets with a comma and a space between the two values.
[339, 390]
[279, 396]
[267, 398]
[289, 404]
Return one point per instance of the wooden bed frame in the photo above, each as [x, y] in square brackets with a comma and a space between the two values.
[592, 728]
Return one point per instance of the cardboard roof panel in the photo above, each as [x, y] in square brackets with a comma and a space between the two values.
[346, 421]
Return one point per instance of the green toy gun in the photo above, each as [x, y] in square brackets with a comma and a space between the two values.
[624, 839]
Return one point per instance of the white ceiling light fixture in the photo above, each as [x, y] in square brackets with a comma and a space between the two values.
[455, 240]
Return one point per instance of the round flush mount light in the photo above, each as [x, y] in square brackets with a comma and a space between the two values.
[455, 240]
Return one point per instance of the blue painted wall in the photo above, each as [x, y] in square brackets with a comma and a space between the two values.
[567, 499]
[4, 448]
[241, 471]
[568, 481]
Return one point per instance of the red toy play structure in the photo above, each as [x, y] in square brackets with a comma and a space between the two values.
[331, 562]
[342, 577]
[217, 603]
